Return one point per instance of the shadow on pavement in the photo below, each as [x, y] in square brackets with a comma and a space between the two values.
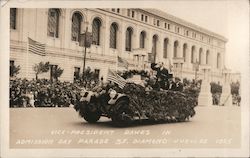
[136, 123]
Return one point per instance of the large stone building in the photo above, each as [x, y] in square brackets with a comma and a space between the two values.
[137, 35]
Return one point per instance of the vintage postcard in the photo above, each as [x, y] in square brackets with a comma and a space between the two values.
[124, 78]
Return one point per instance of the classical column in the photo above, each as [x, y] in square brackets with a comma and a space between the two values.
[136, 39]
[121, 38]
[226, 96]
[105, 36]
[159, 55]
[148, 43]
[205, 96]
[188, 57]
[179, 50]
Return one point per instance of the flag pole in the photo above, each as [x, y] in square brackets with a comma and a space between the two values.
[85, 50]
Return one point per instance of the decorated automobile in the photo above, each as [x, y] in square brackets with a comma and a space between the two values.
[136, 102]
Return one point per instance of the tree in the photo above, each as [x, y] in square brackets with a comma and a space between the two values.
[14, 70]
[41, 68]
[57, 72]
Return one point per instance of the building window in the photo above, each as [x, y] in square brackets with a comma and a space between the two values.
[187, 32]
[165, 48]
[194, 35]
[113, 35]
[185, 52]
[76, 27]
[96, 31]
[118, 10]
[168, 26]
[158, 22]
[128, 44]
[154, 48]
[142, 39]
[146, 18]
[133, 14]
[142, 17]
[53, 22]
[192, 54]
[200, 56]
[113, 9]
[12, 65]
[13, 13]
[165, 25]
[97, 73]
[207, 57]
[128, 12]
[76, 73]
[176, 44]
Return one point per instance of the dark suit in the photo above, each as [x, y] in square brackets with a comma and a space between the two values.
[171, 86]
[179, 87]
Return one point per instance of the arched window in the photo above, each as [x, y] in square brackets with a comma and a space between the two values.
[155, 39]
[192, 54]
[207, 57]
[76, 27]
[165, 48]
[175, 48]
[142, 39]
[113, 35]
[96, 31]
[128, 44]
[218, 61]
[200, 56]
[185, 52]
[13, 13]
[53, 23]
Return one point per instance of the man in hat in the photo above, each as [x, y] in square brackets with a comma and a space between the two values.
[171, 84]
[162, 74]
[179, 85]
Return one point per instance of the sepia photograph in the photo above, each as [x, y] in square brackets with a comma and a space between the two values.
[124, 79]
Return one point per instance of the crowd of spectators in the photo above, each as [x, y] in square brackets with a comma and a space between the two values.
[45, 93]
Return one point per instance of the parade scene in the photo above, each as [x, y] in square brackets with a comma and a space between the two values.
[125, 70]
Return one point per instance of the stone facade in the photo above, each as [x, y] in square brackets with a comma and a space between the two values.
[181, 39]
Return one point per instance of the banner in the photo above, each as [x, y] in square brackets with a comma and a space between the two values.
[88, 41]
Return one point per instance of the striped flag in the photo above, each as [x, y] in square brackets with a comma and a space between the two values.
[36, 47]
[122, 62]
[114, 77]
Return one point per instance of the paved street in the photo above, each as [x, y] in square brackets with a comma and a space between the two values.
[211, 127]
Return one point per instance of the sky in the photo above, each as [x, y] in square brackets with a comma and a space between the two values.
[228, 18]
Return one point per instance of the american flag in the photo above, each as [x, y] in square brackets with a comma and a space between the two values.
[114, 77]
[122, 62]
[36, 47]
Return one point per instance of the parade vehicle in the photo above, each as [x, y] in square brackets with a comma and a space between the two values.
[136, 102]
